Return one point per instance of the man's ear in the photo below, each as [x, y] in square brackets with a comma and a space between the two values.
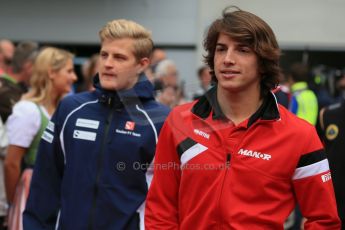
[144, 63]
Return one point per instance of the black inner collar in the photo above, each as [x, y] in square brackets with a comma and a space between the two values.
[208, 103]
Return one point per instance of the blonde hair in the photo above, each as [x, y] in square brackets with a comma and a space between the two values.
[48, 59]
[122, 28]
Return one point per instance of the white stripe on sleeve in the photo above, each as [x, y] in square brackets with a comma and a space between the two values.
[311, 170]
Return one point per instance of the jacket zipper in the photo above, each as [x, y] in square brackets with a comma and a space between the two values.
[228, 158]
[99, 169]
[227, 166]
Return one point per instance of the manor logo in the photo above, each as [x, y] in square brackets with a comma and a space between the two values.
[202, 133]
[255, 154]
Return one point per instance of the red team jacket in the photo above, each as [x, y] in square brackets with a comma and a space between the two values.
[209, 174]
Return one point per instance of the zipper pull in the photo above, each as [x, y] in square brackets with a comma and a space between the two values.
[228, 158]
[109, 101]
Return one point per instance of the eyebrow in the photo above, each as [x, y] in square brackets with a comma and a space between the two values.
[220, 44]
[238, 44]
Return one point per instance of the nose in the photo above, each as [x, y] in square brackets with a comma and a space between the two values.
[108, 62]
[74, 77]
[229, 57]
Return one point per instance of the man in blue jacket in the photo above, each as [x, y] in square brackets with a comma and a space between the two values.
[92, 169]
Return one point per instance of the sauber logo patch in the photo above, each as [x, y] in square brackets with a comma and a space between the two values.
[130, 125]
[255, 154]
[326, 177]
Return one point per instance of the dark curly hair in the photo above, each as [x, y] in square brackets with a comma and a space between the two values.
[251, 30]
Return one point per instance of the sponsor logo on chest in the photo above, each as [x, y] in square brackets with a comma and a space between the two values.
[255, 154]
[202, 133]
[87, 123]
[130, 125]
[128, 129]
[83, 134]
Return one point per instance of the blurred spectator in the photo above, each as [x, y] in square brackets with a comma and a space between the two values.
[205, 80]
[304, 101]
[166, 72]
[167, 96]
[333, 126]
[12, 85]
[157, 56]
[6, 55]
[15, 82]
[340, 85]
[89, 70]
[170, 92]
[320, 84]
[52, 78]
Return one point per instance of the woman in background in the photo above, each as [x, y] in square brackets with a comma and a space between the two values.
[53, 76]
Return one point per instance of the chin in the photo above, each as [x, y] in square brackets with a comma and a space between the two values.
[226, 85]
[109, 86]
[230, 87]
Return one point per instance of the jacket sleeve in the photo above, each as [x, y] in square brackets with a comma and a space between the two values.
[162, 201]
[43, 203]
[314, 189]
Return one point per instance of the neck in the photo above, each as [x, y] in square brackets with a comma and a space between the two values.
[51, 103]
[50, 107]
[238, 106]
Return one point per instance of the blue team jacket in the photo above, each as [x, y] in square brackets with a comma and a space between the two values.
[91, 170]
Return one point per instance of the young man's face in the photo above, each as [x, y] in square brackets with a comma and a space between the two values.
[118, 67]
[236, 65]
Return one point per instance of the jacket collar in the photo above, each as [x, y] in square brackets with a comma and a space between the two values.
[142, 91]
[208, 103]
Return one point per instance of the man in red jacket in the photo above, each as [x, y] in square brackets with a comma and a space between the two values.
[235, 159]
